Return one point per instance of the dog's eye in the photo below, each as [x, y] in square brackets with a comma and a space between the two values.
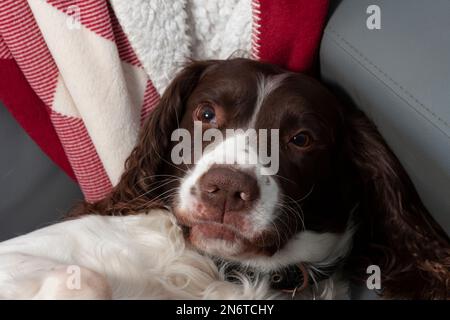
[302, 139]
[206, 113]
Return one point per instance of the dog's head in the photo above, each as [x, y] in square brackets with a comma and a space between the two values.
[259, 185]
[285, 174]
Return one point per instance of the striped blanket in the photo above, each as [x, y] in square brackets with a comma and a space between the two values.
[81, 76]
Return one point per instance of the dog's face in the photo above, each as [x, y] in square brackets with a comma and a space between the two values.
[333, 174]
[238, 209]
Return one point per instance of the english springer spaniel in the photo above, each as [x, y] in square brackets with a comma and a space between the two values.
[216, 225]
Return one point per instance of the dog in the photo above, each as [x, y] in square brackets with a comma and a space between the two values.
[221, 226]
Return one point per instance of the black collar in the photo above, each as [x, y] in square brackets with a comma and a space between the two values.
[291, 279]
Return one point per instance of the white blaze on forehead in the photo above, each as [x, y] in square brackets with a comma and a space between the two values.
[265, 86]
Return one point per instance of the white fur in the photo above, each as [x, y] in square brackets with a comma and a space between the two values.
[266, 85]
[140, 257]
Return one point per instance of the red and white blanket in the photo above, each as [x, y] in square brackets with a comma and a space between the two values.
[81, 75]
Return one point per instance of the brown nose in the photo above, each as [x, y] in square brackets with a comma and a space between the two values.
[228, 190]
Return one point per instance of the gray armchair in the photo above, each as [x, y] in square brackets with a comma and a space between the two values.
[400, 76]
[33, 190]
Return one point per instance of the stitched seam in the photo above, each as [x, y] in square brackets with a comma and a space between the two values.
[395, 83]
[256, 29]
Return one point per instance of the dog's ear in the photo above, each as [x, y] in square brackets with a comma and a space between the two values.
[396, 231]
[133, 193]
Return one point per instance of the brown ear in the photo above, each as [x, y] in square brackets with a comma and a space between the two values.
[396, 231]
[133, 192]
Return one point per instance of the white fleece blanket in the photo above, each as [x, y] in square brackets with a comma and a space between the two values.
[164, 34]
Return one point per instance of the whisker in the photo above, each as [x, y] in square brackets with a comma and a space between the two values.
[153, 189]
[158, 181]
[300, 214]
[170, 191]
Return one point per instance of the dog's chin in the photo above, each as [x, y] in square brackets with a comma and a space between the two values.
[214, 232]
[216, 239]
[224, 241]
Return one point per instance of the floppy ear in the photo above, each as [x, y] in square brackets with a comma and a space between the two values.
[396, 231]
[133, 192]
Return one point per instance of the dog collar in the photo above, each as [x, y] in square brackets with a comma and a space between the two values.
[291, 279]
